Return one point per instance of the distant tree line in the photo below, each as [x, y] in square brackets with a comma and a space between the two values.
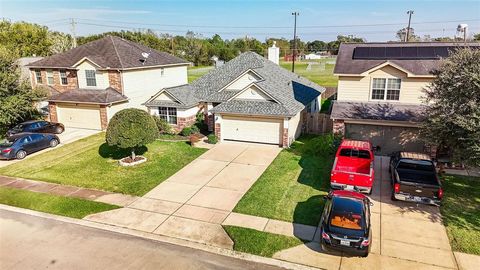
[28, 39]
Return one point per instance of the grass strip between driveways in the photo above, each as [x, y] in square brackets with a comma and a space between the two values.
[58, 205]
[91, 163]
[259, 243]
[461, 212]
[292, 187]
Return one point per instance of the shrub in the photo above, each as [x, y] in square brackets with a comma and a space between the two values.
[187, 131]
[200, 122]
[163, 126]
[131, 129]
[323, 145]
[212, 139]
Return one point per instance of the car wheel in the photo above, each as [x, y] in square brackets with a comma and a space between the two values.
[365, 254]
[21, 154]
[58, 130]
[53, 143]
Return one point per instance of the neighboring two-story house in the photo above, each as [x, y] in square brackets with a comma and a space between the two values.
[247, 99]
[380, 89]
[92, 82]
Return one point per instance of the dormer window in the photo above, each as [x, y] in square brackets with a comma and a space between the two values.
[90, 77]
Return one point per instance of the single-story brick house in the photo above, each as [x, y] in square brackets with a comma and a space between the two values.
[247, 99]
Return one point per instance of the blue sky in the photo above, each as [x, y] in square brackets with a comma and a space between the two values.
[322, 20]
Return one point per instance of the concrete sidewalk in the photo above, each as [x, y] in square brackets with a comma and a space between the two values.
[193, 203]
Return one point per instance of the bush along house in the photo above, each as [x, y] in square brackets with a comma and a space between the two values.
[249, 99]
[380, 89]
[90, 83]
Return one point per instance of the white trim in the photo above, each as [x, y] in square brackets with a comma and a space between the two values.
[385, 90]
[156, 66]
[53, 76]
[238, 78]
[35, 75]
[85, 59]
[168, 114]
[60, 76]
[382, 123]
[163, 90]
[258, 87]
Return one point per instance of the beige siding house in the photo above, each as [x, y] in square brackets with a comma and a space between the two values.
[380, 91]
[92, 82]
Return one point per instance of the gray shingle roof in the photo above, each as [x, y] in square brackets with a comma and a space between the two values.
[347, 65]
[110, 52]
[290, 90]
[92, 96]
[379, 111]
[184, 94]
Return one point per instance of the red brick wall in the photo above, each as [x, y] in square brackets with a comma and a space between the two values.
[285, 138]
[52, 107]
[115, 80]
[218, 131]
[183, 122]
[72, 80]
[339, 127]
[103, 117]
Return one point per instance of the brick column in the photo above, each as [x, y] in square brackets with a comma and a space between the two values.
[103, 117]
[218, 132]
[339, 127]
[52, 109]
[285, 138]
[114, 80]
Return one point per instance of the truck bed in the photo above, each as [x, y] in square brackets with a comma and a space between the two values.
[418, 177]
[352, 165]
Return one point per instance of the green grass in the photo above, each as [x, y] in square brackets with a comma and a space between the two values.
[321, 73]
[461, 212]
[91, 163]
[197, 71]
[259, 243]
[292, 187]
[58, 205]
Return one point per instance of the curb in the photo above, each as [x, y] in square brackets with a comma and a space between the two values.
[160, 238]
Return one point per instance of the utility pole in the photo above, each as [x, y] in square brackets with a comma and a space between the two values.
[73, 23]
[410, 12]
[294, 40]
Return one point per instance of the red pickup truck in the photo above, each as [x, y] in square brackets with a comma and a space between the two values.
[353, 166]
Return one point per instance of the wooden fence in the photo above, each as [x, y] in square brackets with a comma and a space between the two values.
[317, 123]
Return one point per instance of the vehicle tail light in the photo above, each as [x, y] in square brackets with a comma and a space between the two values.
[325, 236]
[396, 188]
[440, 193]
[365, 243]
[6, 151]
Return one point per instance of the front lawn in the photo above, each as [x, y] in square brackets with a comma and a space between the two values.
[292, 187]
[461, 212]
[91, 163]
[58, 205]
[259, 243]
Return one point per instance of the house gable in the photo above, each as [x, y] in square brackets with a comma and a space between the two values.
[164, 96]
[101, 76]
[243, 81]
[253, 92]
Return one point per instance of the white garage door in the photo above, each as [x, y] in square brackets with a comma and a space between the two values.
[79, 116]
[261, 130]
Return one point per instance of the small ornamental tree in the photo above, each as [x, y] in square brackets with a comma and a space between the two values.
[453, 99]
[131, 129]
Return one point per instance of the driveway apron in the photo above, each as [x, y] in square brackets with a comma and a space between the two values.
[193, 203]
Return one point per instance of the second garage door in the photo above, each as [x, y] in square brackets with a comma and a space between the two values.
[389, 138]
[261, 130]
[79, 116]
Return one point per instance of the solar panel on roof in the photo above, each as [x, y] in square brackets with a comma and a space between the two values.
[442, 51]
[406, 53]
[361, 52]
[377, 52]
[409, 52]
[426, 52]
[393, 52]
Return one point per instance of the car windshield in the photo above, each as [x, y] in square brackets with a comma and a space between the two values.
[418, 165]
[18, 127]
[350, 152]
[347, 214]
[6, 143]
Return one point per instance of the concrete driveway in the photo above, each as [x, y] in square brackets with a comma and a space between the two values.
[193, 203]
[68, 136]
[405, 236]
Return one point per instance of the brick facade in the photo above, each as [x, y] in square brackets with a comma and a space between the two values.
[115, 80]
[218, 132]
[285, 138]
[339, 127]
[52, 107]
[210, 119]
[72, 80]
[183, 122]
[103, 117]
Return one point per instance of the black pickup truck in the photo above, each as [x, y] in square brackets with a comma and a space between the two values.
[414, 178]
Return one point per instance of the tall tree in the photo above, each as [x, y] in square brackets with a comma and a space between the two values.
[25, 39]
[17, 98]
[60, 42]
[411, 35]
[453, 114]
[476, 37]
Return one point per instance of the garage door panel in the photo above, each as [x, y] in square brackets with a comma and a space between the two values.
[262, 130]
[79, 116]
[389, 138]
